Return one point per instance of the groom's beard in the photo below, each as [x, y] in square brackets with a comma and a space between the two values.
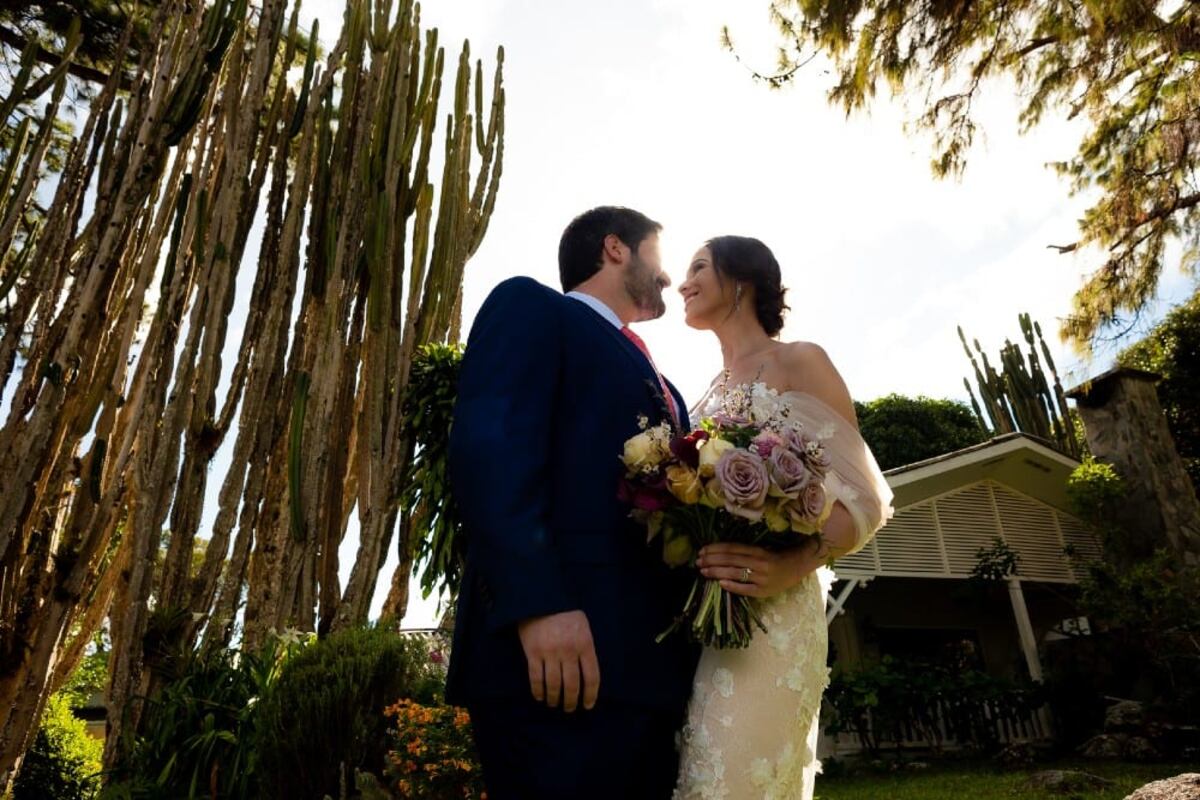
[645, 289]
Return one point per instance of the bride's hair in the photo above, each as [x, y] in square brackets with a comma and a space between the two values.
[746, 259]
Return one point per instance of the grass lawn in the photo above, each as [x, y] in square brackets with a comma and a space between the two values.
[963, 780]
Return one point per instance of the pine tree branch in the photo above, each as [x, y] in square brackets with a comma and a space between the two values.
[18, 41]
[1036, 44]
[1182, 204]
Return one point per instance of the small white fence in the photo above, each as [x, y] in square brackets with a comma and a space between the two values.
[938, 733]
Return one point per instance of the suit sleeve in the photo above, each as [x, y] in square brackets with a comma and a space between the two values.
[500, 452]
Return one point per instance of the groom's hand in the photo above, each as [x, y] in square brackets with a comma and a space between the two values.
[562, 658]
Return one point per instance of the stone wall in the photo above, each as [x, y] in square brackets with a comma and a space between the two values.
[1126, 427]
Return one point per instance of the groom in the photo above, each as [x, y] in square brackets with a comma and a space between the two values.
[554, 652]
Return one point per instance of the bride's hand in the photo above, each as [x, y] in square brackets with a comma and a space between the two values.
[754, 571]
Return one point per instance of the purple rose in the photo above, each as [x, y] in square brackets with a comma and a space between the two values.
[813, 498]
[789, 475]
[797, 440]
[808, 448]
[805, 513]
[818, 458]
[765, 443]
[744, 481]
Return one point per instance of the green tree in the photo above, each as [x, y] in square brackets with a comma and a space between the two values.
[91, 676]
[903, 430]
[64, 761]
[44, 21]
[1172, 350]
[1132, 69]
[40, 33]
[1144, 604]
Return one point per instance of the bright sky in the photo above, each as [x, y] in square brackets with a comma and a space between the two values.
[635, 103]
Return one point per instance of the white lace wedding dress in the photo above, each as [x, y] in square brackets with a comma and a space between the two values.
[752, 724]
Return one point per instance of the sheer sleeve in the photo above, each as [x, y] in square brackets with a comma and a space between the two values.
[854, 478]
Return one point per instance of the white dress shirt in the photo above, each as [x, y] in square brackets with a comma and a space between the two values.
[599, 306]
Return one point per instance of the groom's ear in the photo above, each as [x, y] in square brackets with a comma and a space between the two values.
[615, 250]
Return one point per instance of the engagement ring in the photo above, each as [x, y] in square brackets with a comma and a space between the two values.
[746, 573]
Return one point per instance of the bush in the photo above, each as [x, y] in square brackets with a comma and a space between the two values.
[64, 761]
[428, 414]
[323, 719]
[903, 430]
[432, 754]
[197, 735]
[1144, 605]
[894, 700]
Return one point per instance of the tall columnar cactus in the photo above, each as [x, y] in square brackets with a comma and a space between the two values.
[1019, 397]
[119, 404]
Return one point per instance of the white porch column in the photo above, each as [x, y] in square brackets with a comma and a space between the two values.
[839, 603]
[1028, 644]
[1025, 629]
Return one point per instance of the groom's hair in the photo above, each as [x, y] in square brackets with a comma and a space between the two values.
[580, 251]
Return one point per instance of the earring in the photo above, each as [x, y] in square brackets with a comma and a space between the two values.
[737, 297]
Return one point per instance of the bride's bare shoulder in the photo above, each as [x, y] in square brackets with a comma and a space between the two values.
[809, 369]
[796, 352]
[804, 360]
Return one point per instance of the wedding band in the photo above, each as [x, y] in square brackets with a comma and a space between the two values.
[746, 573]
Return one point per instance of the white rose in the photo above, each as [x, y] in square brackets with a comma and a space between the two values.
[763, 406]
[641, 451]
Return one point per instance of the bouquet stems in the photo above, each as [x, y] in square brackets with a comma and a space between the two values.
[717, 618]
[713, 616]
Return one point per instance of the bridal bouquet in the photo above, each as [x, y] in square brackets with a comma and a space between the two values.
[733, 479]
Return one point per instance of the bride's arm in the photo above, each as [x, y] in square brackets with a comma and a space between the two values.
[808, 369]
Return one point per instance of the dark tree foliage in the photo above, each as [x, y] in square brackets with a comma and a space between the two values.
[47, 21]
[1172, 350]
[903, 430]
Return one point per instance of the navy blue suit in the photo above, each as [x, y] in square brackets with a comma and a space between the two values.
[548, 394]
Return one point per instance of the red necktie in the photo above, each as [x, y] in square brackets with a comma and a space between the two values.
[637, 341]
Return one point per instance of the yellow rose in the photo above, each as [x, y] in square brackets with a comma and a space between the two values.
[776, 518]
[713, 497]
[684, 483]
[677, 550]
[710, 453]
[654, 524]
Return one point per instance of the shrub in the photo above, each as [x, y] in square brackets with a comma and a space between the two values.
[1144, 605]
[903, 430]
[197, 735]
[432, 754]
[323, 719]
[894, 700]
[64, 761]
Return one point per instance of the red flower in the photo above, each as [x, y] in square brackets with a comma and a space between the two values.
[645, 496]
[687, 448]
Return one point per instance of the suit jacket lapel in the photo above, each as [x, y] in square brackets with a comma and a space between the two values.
[685, 417]
[640, 362]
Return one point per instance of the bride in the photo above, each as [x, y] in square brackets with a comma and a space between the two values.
[751, 727]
